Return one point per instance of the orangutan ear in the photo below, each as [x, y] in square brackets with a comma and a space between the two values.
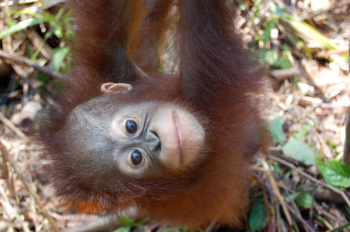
[115, 88]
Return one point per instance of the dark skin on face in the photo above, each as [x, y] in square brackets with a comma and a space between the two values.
[150, 136]
[154, 133]
[173, 140]
[148, 132]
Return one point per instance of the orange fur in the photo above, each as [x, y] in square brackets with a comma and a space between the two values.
[216, 79]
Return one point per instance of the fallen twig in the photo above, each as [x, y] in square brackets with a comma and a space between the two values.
[286, 163]
[277, 192]
[32, 64]
[10, 125]
[211, 225]
[271, 220]
[300, 218]
[296, 214]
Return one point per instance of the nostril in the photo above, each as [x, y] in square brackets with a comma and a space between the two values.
[153, 141]
[158, 144]
[152, 136]
[154, 133]
[157, 149]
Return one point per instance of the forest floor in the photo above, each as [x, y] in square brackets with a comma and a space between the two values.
[299, 185]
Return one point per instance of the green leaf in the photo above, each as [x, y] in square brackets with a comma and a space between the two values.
[303, 28]
[58, 57]
[129, 223]
[302, 132]
[336, 174]
[267, 30]
[22, 25]
[125, 221]
[141, 223]
[258, 215]
[257, 3]
[283, 60]
[341, 228]
[308, 31]
[277, 169]
[300, 151]
[304, 200]
[277, 11]
[275, 128]
[59, 32]
[331, 144]
[339, 167]
[43, 77]
[271, 57]
[241, 6]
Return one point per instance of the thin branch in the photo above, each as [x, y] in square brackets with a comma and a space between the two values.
[296, 210]
[10, 125]
[32, 64]
[211, 225]
[278, 193]
[290, 165]
[296, 213]
[290, 208]
[346, 155]
[271, 219]
[341, 228]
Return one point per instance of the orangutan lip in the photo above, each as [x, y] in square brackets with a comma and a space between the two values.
[178, 132]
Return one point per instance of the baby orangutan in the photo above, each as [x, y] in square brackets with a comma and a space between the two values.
[176, 145]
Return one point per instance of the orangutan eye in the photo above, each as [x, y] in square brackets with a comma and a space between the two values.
[131, 126]
[136, 157]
